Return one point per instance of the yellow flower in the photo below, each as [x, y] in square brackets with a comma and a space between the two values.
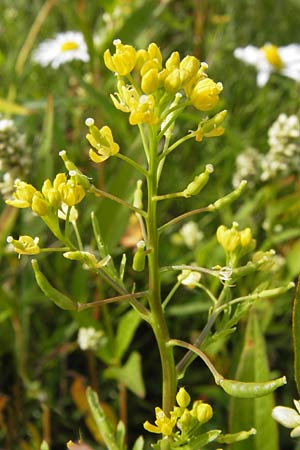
[71, 193]
[22, 196]
[229, 238]
[25, 245]
[102, 141]
[39, 204]
[51, 193]
[123, 61]
[143, 112]
[205, 94]
[163, 424]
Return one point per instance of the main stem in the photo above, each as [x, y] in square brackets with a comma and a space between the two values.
[158, 321]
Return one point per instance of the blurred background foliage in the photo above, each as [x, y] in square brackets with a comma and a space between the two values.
[43, 371]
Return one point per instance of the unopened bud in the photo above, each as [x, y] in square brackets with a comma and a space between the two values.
[139, 258]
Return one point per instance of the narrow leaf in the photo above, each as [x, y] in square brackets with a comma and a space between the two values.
[254, 412]
[296, 336]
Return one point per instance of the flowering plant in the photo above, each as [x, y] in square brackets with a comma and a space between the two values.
[154, 94]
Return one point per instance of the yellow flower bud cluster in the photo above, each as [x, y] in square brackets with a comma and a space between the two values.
[234, 241]
[181, 416]
[52, 197]
[148, 80]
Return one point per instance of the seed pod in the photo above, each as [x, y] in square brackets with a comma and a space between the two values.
[139, 258]
[61, 300]
[199, 182]
[229, 198]
[243, 389]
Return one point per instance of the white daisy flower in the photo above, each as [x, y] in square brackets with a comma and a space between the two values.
[64, 47]
[270, 58]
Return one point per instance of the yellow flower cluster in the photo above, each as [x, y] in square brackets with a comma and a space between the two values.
[149, 80]
[53, 196]
[231, 239]
[180, 416]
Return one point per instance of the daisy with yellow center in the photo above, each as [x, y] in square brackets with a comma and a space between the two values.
[64, 47]
[270, 58]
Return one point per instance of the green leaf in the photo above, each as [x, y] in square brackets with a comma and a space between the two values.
[139, 443]
[126, 329]
[121, 435]
[102, 421]
[130, 374]
[255, 412]
[296, 336]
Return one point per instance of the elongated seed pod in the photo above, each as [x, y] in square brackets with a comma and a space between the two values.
[61, 300]
[199, 182]
[243, 389]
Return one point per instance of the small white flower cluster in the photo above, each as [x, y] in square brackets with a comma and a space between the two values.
[248, 165]
[89, 338]
[189, 234]
[283, 157]
[15, 158]
[289, 418]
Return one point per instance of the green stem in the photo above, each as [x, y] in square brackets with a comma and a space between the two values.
[158, 321]
[198, 352]
[132, 163]
[190, 355]
[100, 193]
[184, 216]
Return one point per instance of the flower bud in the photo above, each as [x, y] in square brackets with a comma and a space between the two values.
[173, 61]
[183, 398]
[204, 412]
[246, 237]
[188, 67]
[205, 94]
[149, 81]
[172, 82]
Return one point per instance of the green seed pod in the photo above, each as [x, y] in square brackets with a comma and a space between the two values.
[199, 182]
[139, 258]
[242, 389]
[230, 197]
[61, 300]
